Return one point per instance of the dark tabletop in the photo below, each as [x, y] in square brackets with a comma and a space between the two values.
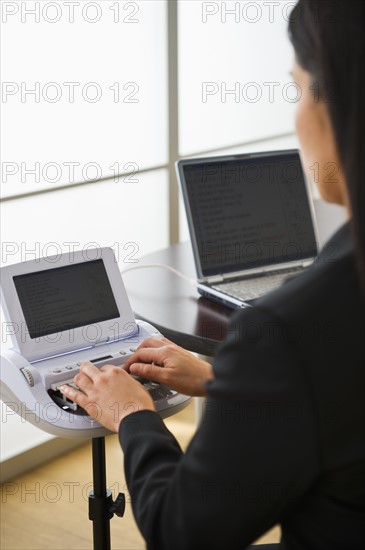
[172, 305]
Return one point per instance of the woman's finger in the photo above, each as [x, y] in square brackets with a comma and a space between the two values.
[151, 342]
[83, 382]
[149, 371]
[145, 355]
[88, 369]
[76, 396]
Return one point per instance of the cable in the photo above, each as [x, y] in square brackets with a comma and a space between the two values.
[163, 266]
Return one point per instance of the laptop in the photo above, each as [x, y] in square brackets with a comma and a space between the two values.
[251, 223]
[60, 311]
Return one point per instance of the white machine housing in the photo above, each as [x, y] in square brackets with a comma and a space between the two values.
[37, 364]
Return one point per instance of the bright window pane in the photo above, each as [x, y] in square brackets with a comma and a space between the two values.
[234, 79]
[102, 214]
[98, 105]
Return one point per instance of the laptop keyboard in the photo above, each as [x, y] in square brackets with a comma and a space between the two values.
[249, 289]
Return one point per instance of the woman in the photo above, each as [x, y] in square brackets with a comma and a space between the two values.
[282, 438]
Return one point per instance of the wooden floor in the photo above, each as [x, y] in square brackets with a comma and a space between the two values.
[48, 507]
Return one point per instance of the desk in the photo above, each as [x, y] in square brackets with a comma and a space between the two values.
[172, 305]
[177, 309]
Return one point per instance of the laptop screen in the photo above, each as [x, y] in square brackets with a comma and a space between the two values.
[245, 212]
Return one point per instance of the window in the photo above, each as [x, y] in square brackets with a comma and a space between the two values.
[84, 126]
[91, 126]
[234, 63]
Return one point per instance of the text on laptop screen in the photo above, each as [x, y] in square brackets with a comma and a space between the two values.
[250, 212]
[64, 298]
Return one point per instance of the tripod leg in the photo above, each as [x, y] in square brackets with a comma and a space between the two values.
[100, 500]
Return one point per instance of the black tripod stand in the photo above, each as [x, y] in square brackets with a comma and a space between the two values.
[102, 507]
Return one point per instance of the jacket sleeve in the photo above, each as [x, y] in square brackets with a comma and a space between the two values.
[252, 459]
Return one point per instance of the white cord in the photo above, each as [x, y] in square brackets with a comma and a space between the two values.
[164, 266]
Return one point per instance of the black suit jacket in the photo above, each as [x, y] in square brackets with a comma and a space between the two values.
[282, 437]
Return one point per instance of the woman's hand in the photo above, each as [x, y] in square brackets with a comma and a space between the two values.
[166, 363]
[108, 394]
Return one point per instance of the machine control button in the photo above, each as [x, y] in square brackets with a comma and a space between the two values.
[56, 371]
[123, 352]
[69, 367]
[133, 350]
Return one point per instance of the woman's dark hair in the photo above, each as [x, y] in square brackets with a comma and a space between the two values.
[329, 42]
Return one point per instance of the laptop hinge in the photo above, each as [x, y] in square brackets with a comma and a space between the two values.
[213, 280]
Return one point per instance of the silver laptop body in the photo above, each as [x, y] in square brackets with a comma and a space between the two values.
[251, 222]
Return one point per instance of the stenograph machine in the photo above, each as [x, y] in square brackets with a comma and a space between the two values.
[60, 311]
